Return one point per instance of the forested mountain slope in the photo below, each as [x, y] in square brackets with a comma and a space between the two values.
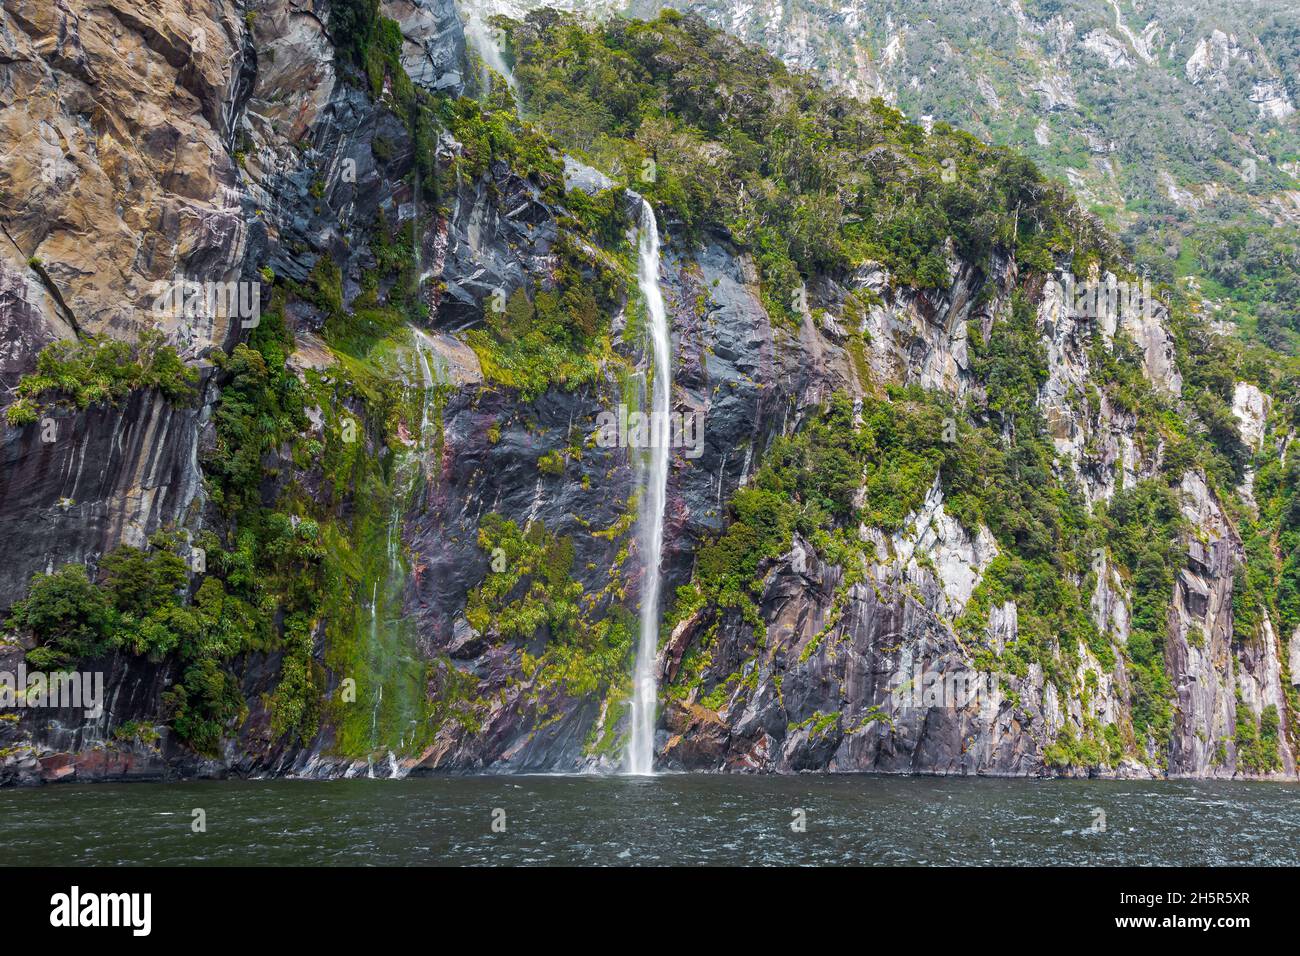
[1175, 121]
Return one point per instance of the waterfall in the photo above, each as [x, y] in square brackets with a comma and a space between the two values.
[422, 350]
[640, 752]
[398, 688]
[481, 38]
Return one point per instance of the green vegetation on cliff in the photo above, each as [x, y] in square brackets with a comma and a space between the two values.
[809, 181]
[93, 370]
[585, 654]
[140, 605]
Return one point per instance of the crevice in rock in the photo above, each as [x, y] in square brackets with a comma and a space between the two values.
[65, 311]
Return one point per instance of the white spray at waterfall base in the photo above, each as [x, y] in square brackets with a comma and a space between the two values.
[640, 751]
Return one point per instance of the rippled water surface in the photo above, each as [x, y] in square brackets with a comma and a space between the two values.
[694, 819]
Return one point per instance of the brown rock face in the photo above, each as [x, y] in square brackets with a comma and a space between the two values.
[700, 738]
[112, 121]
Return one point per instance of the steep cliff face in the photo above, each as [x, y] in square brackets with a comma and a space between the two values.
[447, 549]
[148, 148]
[114, 126]
[815, 684]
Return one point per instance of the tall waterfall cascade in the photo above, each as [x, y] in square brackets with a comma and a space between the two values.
[484, 41]
[654, 487]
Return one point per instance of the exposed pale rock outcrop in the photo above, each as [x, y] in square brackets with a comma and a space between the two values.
[1251, 407]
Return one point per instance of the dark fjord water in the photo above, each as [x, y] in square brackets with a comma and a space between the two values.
[691, 820]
